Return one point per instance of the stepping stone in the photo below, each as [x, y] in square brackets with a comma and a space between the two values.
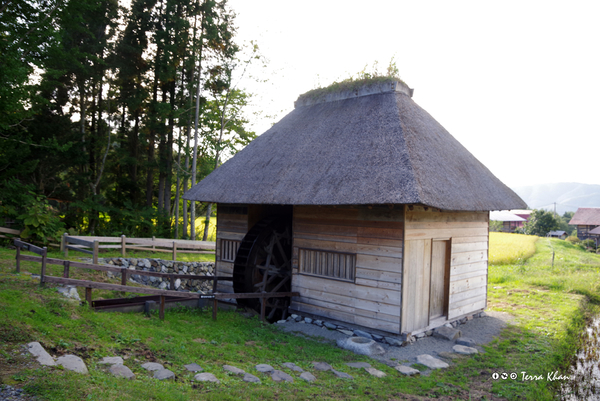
[358, 365]
[463, 350]
[376, 372]
[264, 368]
[40, 353]
[322, 366]
[330, 325]
[293, 366]
[248, 378]
[152, 366]
[193, 367]
[431, 362]
[447, 333]
[309, 377]
[346, 332]
[73, 363]
[406, 370]
[280, 376]
[467, 342]
[163, 374]
[206, 377]
[120, 370]
[342, 375]
[111, 360]
[234, 370]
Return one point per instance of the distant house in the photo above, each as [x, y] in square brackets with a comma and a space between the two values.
[558, 234]
[510, 221]
[587, 220]
[525, 214]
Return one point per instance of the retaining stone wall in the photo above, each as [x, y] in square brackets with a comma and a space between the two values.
[166, 266]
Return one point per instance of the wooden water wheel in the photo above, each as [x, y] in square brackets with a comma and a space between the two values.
[264, 264]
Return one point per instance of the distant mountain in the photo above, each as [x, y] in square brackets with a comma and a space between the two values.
[568, 196]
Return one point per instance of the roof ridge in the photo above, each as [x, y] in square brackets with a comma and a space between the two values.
[353, 89]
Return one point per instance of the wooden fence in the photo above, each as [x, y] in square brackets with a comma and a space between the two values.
[92, 245]
[12, 232]
[124, 272]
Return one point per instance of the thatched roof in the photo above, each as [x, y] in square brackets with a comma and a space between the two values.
[586, 216]
[367, 145]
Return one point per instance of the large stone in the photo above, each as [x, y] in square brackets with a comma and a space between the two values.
[330, 325]
[358, 365]
[193, 367]
[406, 370]
[111, 360]
[120, 370]
[342, 375]
[293, 367]
[73, 363]
[431, 362]
[376, 372]
[364, 334]
[447, 333]
[349, 333]
[234, 370]
[467, 342]
[464, 350]
[163, 374]
[206, 377]
[361, 345]
[280, 376]
[69, 291]
[249, 378]
[322, 366]
[152, 366]
[264, 368]
[396, 342]
[309, 377]
[40, 353]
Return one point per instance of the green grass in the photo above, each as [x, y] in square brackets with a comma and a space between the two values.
[550, 306]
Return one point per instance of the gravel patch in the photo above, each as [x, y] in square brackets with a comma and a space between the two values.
[481, 330]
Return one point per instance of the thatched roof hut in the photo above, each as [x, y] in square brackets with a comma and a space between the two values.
[363, 204]
[376, 146]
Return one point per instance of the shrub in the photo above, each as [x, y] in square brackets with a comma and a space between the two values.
[573, 240]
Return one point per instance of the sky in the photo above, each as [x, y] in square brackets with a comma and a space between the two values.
[516, 82]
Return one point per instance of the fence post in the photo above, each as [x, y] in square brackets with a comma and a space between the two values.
[174, 251]
[66, 250]
[161, 311]
[123, 246]
[88, 296]
[153, 247]
[18, 259]
[43, 272]
[124, 276]
[62, 242]
[67, 264]
[96, 244]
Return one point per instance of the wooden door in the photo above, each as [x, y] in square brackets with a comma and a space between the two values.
[425, 282]
[440, 275]
[416, 284]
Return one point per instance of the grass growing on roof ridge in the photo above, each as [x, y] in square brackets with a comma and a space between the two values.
[355, 82]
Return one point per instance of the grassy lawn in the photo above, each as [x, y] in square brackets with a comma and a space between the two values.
[550, 305]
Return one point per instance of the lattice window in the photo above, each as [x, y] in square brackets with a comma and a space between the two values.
[341, 266]
[229, 250]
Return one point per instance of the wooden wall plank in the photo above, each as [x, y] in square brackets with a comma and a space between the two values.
[469, 257]
[378, 275]
[467, 284]
[381, 263]
[346, 289]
